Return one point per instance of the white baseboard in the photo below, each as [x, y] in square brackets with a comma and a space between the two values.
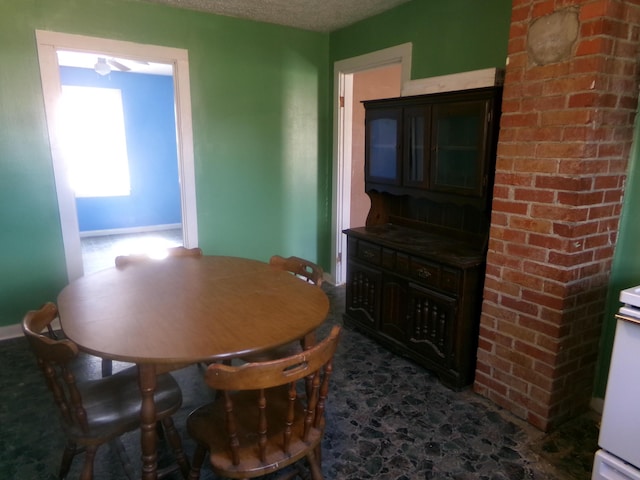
[15, 331]
[121, 231]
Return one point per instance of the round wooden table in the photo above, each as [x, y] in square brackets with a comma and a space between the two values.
[177, 311]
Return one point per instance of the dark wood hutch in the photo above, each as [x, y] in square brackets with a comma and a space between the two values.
[415, 272]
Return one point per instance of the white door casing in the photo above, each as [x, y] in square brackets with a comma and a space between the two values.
[343, 88]
[48, 43]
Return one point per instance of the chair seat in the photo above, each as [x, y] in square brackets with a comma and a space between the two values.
[200, 422]
[113, 404]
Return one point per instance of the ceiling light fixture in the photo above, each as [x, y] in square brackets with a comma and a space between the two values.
[102, 67]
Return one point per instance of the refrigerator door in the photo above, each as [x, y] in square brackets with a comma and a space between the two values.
[620, 428]
[608, 467]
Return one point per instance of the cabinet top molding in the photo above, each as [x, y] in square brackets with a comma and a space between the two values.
[488, 77]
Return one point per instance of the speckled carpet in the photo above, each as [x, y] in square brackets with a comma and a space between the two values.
[387, 418]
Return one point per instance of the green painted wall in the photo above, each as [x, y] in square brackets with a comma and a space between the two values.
[625, 271]
[260, 115]
[261, 103]
[448, 36]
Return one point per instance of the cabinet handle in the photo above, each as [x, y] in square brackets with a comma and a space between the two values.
[368, 254]
[423, 272]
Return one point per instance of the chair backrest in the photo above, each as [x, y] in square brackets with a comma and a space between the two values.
[124, 260]
[54, 358]
[275, 408]
[300, 267]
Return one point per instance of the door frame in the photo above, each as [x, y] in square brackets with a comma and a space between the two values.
[48, 43]
[342, 137]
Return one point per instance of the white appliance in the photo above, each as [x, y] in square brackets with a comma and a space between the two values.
[619, 457]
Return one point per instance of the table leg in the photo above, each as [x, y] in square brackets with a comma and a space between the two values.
[309, 340]
[147, 379]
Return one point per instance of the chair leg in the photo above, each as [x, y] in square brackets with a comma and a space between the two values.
[176, 445]
[67, 457]
[89, 457]
[314, 466]
[107, 367]
[198, 459]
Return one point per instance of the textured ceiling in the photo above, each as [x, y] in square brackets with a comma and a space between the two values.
[315, 15]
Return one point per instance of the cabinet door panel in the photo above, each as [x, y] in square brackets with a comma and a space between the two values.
[416, 146]
[431, 324]
[363, 294]
[459, 147]
[394, 307]
[382, 153]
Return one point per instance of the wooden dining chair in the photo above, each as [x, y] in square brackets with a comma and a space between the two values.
[265, 418]
[123, 261]
[301, 268]
[95, 412]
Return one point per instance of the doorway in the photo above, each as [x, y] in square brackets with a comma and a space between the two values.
[376, 75]
[49, 43]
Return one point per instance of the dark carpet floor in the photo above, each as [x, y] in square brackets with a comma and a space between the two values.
[387, 418]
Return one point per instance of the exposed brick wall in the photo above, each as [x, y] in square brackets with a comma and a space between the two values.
[565, 138]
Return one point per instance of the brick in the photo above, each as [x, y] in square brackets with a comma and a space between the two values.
[591, 10]
[541, 9]
[585, 166]
[530, 224]
[519, 120]
[515, 45]
[511, 235]
[591, 99]
[546, 134]
[519, 14]
[542, 73]
[548, 242]
[518, 30]
[527, 373]
[491, 383]
[611, 150]
[548, 271]
[601, 211]
[572, 259]
[616, 28]
[559, 213]
[540, 103]
[527, 251]
[572, 231]
[580, 198]
[569, 85]
[523, 279]
[516, 150]
[516, 358]
[598, 45]
[574, 116]
[562, 150]
[510, 207]
[624, 49]
[519, 305]
[537, 165]
[540, 299]
[593, 27]
[498, 313]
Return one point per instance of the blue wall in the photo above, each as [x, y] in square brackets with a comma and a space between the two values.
[148, 103]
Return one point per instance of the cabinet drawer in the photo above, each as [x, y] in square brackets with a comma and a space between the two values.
[369, 252]
[425, 272]
[450, 280]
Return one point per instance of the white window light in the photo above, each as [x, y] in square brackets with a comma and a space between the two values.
[94, 141]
